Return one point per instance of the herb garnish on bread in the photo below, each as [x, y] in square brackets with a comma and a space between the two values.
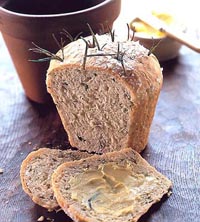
[118, 186]
[105, 93]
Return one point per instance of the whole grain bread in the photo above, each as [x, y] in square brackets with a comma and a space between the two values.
[36, 171]
[103, 197]
[106, 95]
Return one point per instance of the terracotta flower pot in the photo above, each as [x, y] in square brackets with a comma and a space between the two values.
[23, 22]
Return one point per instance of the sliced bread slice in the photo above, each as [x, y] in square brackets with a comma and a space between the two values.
[115, 187]
[36, 171]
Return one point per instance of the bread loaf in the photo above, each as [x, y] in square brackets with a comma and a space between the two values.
[36, 171]
[106, 95]
[115, 187]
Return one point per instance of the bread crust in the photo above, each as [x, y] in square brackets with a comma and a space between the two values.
[142, 77]
[74, 210]
[30, 164]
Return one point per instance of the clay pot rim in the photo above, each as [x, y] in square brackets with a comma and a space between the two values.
[100, 5]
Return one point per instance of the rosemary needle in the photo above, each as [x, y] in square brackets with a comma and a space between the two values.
[49, 54]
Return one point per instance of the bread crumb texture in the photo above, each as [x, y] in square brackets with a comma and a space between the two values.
[118, 186]
[36, 171]
[109, 103]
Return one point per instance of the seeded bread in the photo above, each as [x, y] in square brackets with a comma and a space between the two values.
[106, 101]
[121, 193]
[36, 171]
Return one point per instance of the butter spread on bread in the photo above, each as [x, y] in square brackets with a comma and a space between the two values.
[119, 186]
[111, 189]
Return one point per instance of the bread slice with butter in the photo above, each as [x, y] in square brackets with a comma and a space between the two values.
[119, 186]
[36, 171]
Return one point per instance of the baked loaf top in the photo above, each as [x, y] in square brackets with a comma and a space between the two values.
[36, 171]
[106, 95]
[119, 186]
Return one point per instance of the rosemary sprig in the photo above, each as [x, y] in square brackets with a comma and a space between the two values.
[49, 54]
[60, 45]
[86, 55]
[91, 45]
[103, 46]
[86, 52]
[122, 62]
[120, 57]
[93, 197]
[69, 36]
[118, 51]
[95, 41]
[101, 54]
[133, 33]
[112, 34]
[129, 37]
[128, 27]
[153, 47]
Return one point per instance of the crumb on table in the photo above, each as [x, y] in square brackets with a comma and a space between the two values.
[41, 218]
[1, 171]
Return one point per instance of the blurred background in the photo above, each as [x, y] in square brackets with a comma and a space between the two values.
[186, 11]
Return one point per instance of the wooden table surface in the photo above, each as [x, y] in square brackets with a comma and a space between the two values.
[173, 147]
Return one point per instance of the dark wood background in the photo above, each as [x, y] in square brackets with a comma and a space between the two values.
[173, 147]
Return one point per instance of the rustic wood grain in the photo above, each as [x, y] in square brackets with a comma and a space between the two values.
[173, 148]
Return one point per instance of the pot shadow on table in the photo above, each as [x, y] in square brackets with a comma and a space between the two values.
[53, 134]
[169, 67]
